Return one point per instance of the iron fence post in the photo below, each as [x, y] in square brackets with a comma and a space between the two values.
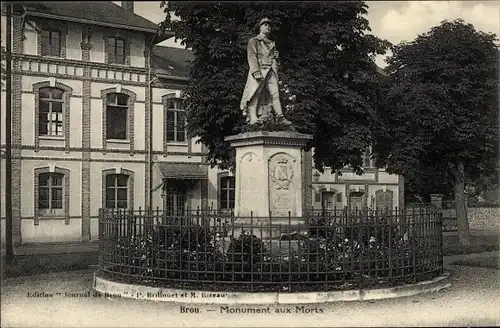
[390, 252]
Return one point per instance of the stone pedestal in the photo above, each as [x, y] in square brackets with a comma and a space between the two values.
[437, 200]
[269, 174]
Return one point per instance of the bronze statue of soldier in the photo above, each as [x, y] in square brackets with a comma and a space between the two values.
[261, 91]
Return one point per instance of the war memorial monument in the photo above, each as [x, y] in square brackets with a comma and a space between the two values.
[270, 249]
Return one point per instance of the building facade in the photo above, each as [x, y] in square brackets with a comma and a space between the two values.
[98, 122]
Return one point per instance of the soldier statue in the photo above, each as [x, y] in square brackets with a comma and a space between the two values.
[262, 89]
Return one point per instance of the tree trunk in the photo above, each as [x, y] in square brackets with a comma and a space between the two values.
[463, 223]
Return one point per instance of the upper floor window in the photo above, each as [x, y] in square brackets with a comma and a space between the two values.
[117, 191]
[50, 193]
[51, 43]
[116, 116]
[176, 120]
[50, 122]
[368, 161]
[116, 51]
[227, 192]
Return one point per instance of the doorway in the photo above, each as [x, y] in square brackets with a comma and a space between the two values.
[174, 197]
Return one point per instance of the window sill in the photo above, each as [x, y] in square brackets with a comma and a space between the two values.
[52, 57]
[51, 137]
[50, 217]
[118, 65]
[118, 141]
[177, 143]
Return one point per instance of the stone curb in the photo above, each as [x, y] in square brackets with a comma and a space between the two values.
[121, 290]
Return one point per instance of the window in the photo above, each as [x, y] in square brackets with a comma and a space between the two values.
[175, 197]
[176, 121]
[50, 122]
[331, 200]
[116, 51]
[327, 203]
[367, 159]
[51, 43]
[117, 191]
[116, 116]
[227, 193]
[50, 193]
[357, 201]
[383, 199]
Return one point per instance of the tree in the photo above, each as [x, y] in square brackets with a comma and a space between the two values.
[442, 108]
[327, 70]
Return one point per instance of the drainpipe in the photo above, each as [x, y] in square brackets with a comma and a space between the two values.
[9, 251]
[150, 140]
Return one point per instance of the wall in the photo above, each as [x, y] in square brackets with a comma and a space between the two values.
[484, 218]
[370, 182]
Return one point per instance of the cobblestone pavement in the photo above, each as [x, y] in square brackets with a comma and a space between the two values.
[473, 300]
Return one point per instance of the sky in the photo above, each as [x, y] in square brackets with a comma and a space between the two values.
[395, 21]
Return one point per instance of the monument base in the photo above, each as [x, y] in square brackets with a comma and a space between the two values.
[270, 175]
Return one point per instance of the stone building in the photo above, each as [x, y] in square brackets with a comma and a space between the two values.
[98, 121]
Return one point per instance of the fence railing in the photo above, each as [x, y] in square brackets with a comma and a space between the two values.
[343, 250]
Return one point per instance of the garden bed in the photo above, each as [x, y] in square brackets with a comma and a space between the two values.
[328, 253]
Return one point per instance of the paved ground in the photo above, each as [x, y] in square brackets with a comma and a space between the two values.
[473, 300]
[447, 260]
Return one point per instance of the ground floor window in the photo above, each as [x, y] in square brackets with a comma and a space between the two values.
[227, 193]
[384, 199]
[356, 200]
[331, 200]
[50, 193]
[174, 194]
[117, 191]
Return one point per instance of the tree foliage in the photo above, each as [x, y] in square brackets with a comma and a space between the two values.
[442, 108]
[327, 72]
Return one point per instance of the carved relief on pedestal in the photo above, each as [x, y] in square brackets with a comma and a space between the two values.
[250, 189]
[282, 173]
[282, 190]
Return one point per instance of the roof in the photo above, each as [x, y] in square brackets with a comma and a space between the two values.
[103, 13]
[171, 62]
[181, 171]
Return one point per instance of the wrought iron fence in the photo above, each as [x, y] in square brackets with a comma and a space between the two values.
[316, 252]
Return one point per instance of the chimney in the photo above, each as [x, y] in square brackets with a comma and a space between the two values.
[128, 5]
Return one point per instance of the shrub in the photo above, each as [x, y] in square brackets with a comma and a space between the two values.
[243, 252]
[177, 252]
